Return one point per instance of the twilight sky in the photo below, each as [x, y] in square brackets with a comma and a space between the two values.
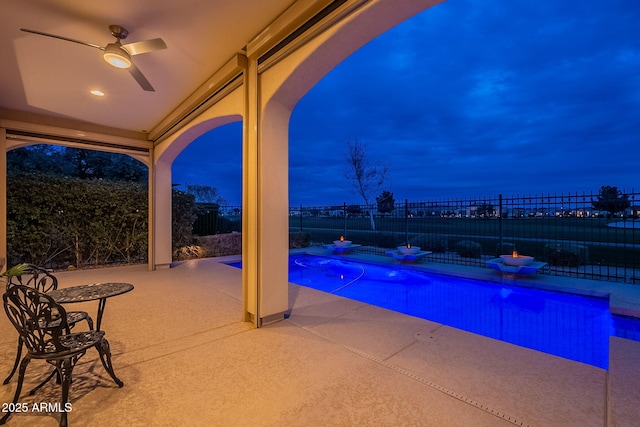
[467, 99]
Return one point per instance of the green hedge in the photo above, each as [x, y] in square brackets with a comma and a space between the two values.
[60, 221]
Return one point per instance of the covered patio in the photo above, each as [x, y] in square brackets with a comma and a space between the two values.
[187, 358]
[251, 62]
[186, 340]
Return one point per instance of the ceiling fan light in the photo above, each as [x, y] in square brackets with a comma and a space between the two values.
[116, 56]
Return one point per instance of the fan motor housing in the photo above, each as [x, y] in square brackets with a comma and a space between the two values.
[118, 32]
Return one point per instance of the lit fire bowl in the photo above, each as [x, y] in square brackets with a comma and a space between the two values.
[341, 246]
[519, 261]
[512, 266]
[409, 251]
[412, 254]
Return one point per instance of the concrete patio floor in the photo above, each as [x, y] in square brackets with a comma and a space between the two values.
[187, 359]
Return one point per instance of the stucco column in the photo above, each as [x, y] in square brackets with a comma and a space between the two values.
[160, 218]
[3, 199]
[265, 223]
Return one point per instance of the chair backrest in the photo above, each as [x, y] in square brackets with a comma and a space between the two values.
[39, 320]
[35, 277]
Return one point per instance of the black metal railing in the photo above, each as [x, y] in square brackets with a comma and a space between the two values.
[566, 231]
[214, 219]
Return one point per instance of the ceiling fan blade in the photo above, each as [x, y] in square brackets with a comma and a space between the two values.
[62, 38]
[140, 78]
[136, 48]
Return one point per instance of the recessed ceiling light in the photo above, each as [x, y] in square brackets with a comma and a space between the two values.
[97, 92]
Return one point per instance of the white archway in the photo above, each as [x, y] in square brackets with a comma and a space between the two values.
[276, 90]
[228, 110]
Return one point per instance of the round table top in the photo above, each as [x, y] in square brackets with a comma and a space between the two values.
[89, 292]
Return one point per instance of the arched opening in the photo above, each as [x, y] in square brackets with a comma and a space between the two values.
[209, 172]
[75, 208]
[495, 94]
[280, 87]
[164, 156]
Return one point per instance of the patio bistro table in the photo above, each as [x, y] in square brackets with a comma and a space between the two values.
[91, 292]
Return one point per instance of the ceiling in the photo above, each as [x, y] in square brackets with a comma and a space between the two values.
[52, 77]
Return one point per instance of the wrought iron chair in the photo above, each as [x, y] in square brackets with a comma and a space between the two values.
[40, 279]
[42, 324]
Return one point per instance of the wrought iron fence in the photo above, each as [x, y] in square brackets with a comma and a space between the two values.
[214, 219]
[572, 233]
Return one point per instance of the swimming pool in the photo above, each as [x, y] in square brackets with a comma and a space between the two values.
[570, 326]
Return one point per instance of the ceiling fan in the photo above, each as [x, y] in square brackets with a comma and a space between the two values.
[117, 54]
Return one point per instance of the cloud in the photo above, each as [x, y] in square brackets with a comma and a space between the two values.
[493, 96]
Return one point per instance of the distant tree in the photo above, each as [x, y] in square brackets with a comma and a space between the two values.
[83, 164]
[91, 164]
[41, 158]
[611, 200]
[205, 194]
[76, 163]
[386, 202]
[126, 168]
[366, 177]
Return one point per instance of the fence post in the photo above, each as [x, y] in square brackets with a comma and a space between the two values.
[344, 216]
[406, 221]
[301, 218]
[217, 222]
[500, 225]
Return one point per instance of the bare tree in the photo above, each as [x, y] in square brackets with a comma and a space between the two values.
[366, 177]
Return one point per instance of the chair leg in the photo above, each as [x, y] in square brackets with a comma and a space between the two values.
[105, 357]
[90, 323]
[65, 369]
[15, 364]
[23, 369]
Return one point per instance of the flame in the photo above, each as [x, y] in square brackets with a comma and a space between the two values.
[342, 238]
[408, 245]
[515, 254]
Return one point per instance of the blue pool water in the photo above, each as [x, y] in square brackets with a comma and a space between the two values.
[566, 325]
